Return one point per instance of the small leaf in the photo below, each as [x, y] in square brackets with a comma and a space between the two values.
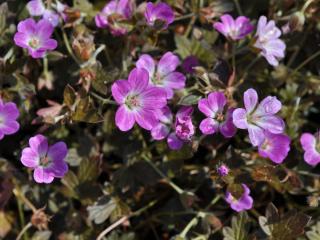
[189, 100]
[101, 210]
[69, 96]
[88, 170]
[86, 112]
[42, 235]
[238, 230]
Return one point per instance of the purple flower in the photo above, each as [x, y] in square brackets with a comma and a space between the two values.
[234, 29]
[8, 115]
[159, 15]
[245, 202]
[275, 147]
[184, 129]
[311, 145]
[163, 73]
[47, 161]
[189, 63]
[258, 117]
[138, 101]
[36, 7]
[272, 48]
[51, 17]
[112, 14]
[217, 119]
[223, 170]
[35, 37]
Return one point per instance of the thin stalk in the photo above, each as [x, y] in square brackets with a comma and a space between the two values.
[103, 100]
[67, 44]
[239, 10]
[24, 231]
[305, 62]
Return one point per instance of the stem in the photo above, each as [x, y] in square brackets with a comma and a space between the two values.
[236, 2]
[174, 186]
[184, 17]
[309, 59]
[190, 26]
[45, 66]
[69, 49]
[23, 231]
[234, 47]
[306, 5]
[103, 100]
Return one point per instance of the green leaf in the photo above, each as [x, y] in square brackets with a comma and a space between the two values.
[238, 230]
[101, 210]
[189, 100]
[86, 112]
[88, 170]
[42, 235]
[314, 233]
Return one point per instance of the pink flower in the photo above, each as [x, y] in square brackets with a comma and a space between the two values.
[8, 115]
[234, 29]
[36, 7]
[267, 40]
[35, 37]
[258, 117]
[112, 14]
[311, 146]
[159, 15]
[275, 147]
[182, 130]
[223, 170]
[163, 73]
[245, 202]
[52, 17]
[47, 161]
[218, 120]
[138, 101]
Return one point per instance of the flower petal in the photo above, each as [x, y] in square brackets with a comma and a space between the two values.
[167, 64]
[124, 118]
[268, 106]
[10, 111]
[308, 141]
[120, 90]
[312, 157]
[217, 101]
[146, 119]
[29, 158]
[9, 127]
[250, 98]
[58, 152]
[256, 135]
[227, 128]
[146, 61]
[209, 126]
[239, 116]
[174, 80]
[273, 124]
[160, 131]
[39, 144]
[44, 29]
[27, 26]
[204, 107]
[36, 7]
[154, 98]
[138, 79]
[42, 175]
[174, 142]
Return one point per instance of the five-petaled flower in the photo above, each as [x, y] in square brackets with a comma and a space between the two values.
[35, 36]
[245, 202]
[267, 40]
[113, 14]
[8, 115]
[275, 147]
[218, 120]
[159, 15]
[163, 73]
[138, 101]
[234, 29]
[258, 117]
[311, 145]
[47, 161]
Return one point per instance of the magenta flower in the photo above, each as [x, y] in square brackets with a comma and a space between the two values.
[35, 37]
[8, 115]
[223, 170]
[112, 14]
[163, 73]
[184, 129]
[234, 29]
[159, 15]
[311, 145]
[138, 101]
[47, 161]
[258, 117]
[272, 48]
[275, 147]
[218, 120]
[189, 63]
[245, 202]
[36, 7]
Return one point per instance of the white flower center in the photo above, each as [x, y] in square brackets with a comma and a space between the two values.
[133, 102]
[34, 42]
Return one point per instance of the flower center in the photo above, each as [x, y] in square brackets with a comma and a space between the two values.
[133, 101]
[34, 43]
[45, 161]
[265, 144]
[220, 117]
[157, 79]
